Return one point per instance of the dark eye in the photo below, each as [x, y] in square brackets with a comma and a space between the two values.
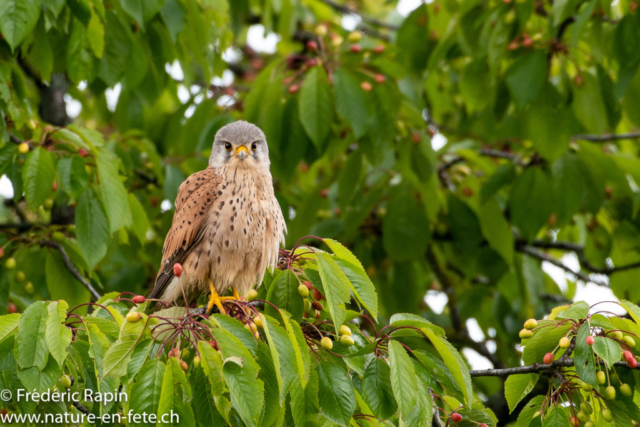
[227, 146]
[254, 146]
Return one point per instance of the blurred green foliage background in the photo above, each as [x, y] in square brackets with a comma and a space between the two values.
[453, 148]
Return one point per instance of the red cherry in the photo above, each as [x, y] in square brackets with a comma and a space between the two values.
[589, 340]
[312, 45]
[513, 45]
[312, 62]
[11, 308]
[324, 193]
[316, 294]
[177, 269]
[1, 252]
[633, 6]
[355, 48]
[139, 299]
[456, 417]
[317, 305]
[379, 78]
[294, 88]
[548, 358]
[416, 138]
[83, 152]
[483, 424]
[378, 49]
[55, 186]
[468, 192]
[308, 285]
[366, 86]
[633, 363]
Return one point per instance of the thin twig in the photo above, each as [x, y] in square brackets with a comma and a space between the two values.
[72, 268]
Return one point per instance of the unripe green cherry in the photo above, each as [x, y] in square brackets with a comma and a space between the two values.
[586, 407]
[326, 343]
[629, 341]
[564, 342]
[344, 330]
[346, 340]
[28, 287]
[530, 324]
[616, 334]
[525, 333]
[582, 416]
[589, 424]
[303, 291]
[133, 317]
[65, 381]
[59, 237]
[607, 415]
[601, 377]
[610, 392]
[625, 389]
[11, 263]
[196, 361]
[20, 276]
[586, 387]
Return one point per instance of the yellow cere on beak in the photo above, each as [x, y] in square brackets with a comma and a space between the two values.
[242, 152]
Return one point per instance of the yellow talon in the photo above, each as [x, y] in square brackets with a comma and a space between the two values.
[214, 299]
[236, 296]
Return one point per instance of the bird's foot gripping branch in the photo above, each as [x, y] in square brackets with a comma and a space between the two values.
[312, 353]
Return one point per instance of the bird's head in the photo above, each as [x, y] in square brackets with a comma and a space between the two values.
[240, 144]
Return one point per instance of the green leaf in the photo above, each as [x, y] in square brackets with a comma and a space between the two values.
[73, 176]
[583, 357]
[526, 77]
[549, 123]
[212, 366]
[247, 392]
[31, 344]
[377, 390]
[316, 112]
[588, 105]
[413, 320]
[496, 230]
[8, 325]
[95, 34]
[403, 379]
[517, 387]
[530, 201]
[145, 393]
[114, 194]
[39, 380]
[56, 272]
[361, 286]
[58, 336]
[608, 350]
[37, 174]
[335, 393]
[543, 341]
[173, 16]
[632, 309]
[350, 101]
[454, 362]
[140, 220]
[142, 10]
[527, 414]
[282, 353]
[17, 19]
[405, 231]
[336, 287]
[119, 354]
[117, 47]
[557, 418]
[576, 311]
[299, 344]
[283, 293]
[92, 228]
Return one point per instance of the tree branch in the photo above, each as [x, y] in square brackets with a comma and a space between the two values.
[365, 18]
[535, 368]
[608, 137]
[72, 268]
[546, 257]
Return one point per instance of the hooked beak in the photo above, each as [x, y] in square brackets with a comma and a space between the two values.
[241, 152]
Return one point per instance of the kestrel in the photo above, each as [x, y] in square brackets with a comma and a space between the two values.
[228, 226]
